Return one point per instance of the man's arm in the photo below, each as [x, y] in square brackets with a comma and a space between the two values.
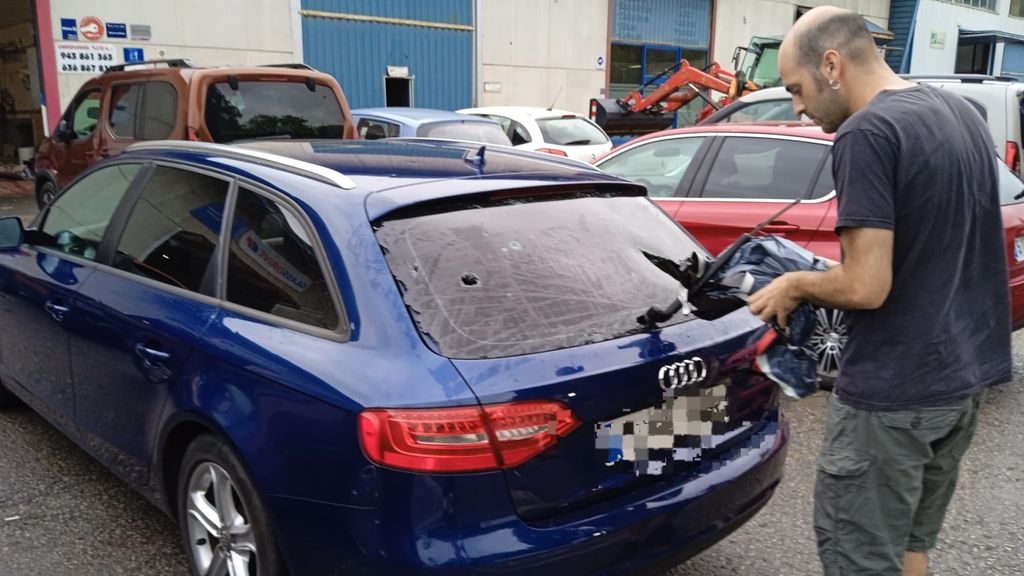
[861, 282]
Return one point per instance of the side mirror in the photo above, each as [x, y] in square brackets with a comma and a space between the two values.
[63, 133]
[12, 233]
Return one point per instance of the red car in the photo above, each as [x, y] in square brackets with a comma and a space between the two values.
[720, 181]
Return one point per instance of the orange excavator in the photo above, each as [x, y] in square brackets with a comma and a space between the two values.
[636, 114]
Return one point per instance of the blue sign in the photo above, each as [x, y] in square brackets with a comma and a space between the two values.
[133, 55]
[117, 30]
[68, 29]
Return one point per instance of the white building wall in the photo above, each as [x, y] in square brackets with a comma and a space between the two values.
[208, 32]
[530, 50]
[946, 18]
[736, 21]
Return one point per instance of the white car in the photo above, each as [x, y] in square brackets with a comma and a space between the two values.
[558, 132]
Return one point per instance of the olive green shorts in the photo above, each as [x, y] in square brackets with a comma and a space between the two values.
[884, 481]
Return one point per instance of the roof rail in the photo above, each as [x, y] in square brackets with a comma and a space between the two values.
[170, 62]
[308, 169]
[293, 65]
[970, 78]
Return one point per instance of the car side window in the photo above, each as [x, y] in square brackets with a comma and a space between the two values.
[518, 134]
[272, 265]
[143, 111]
[124, 106]
[173, 230]
[77, 220]
[772, 110]
[370, 129]
[763, 169]
[85, 114]
[658, 165]
[825, 184]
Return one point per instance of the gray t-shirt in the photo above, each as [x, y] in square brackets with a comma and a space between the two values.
[920, 162]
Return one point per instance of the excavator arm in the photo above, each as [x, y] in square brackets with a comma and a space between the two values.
[636, 114]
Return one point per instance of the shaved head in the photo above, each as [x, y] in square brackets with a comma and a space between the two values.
[830, 28]
[827, 56]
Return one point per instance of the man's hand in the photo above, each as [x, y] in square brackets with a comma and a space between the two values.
[776, 300]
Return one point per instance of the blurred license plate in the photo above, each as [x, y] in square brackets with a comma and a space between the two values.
[1018, 249]
[679, 428]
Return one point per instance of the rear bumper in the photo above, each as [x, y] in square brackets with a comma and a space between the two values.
[431, 532]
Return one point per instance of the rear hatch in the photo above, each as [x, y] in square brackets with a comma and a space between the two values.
[469, 129]
[535, 296]
[270, 104]
[575, 136]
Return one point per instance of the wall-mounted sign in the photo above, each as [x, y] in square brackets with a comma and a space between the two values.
[69, 28]
[91, 28]
[937, 40]
[492, 86]
[85, 58]
[140, 31]
[116, 30]
[600, 62]
[134, 55]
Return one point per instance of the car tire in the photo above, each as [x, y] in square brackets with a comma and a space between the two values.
[214, 494]
[46, 191]
[7, 398]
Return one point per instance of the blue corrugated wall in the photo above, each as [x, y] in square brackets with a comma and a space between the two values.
[685, 23]
[358, 53]
[901, 18]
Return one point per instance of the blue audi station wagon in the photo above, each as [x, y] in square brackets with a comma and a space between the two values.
[388, 357]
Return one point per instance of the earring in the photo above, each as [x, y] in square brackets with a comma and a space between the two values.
[834, 84]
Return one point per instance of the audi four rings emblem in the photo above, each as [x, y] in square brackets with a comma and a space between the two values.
[683, 374]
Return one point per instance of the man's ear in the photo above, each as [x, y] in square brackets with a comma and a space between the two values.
[831, 65]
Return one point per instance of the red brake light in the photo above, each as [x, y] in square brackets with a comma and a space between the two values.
[464, 439]
[1013, 157]
[552, 151]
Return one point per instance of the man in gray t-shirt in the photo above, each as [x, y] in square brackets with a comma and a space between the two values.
[924, 278]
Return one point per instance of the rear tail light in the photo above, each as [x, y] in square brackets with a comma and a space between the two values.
[552, 151]
[1013, 157]
[464, 439]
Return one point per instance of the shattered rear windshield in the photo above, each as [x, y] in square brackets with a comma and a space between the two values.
[525, 276]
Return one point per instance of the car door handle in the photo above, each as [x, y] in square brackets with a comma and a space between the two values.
[57, 311]
[151, 355]
[780, 228]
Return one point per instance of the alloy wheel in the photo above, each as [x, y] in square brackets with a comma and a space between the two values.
[221, 537]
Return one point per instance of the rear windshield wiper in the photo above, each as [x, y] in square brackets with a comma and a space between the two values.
[577, 142]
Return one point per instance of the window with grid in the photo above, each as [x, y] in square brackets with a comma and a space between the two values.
[983, 4]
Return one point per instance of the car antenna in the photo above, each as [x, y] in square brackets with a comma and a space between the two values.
[556, 98]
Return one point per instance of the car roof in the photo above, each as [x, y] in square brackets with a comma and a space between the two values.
[400, 171]
[416, 115]
[799, 129]
[535, 112]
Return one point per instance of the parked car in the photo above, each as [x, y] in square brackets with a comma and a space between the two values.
[129, 103]
[388, 357]
[400, 122]
[721, 180]
[1000, 101]
[557, 132]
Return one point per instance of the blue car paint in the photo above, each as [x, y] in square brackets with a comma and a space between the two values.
[287, 402]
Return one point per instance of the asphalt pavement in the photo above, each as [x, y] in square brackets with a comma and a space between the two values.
[63, 514]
